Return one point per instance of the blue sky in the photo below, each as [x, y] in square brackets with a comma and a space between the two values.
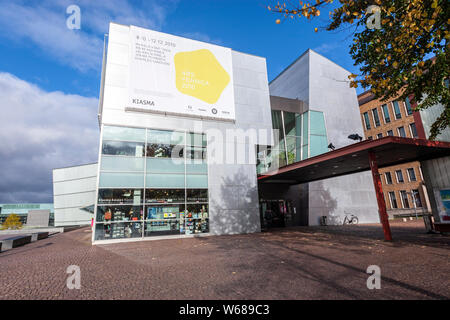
[245, 26]
[50, 75]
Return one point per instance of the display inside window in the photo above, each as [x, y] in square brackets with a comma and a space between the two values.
[119, 213]
[123, 230]
[196, 219]
[164, 195]
[164, 219]
[120, 148]
[120, 196]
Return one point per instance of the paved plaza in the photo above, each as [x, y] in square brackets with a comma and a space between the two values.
[291, 263]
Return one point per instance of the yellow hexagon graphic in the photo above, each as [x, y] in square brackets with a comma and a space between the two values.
[198, 74]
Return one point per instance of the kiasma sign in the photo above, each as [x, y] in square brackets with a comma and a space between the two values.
[174, 75]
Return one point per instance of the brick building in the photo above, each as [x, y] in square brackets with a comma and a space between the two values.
[403, 185]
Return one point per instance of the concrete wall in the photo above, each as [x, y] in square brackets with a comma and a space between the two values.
[436, 174]
[74, 188]
[324, 86]
[233, 189]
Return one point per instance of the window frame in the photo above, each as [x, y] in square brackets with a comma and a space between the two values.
[396, 176]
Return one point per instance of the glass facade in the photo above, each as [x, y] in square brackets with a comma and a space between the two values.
[151, 183]
[300, 136]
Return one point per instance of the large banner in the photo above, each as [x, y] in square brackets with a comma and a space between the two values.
[174, 75]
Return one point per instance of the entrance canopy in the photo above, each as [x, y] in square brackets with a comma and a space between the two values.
[354, 158]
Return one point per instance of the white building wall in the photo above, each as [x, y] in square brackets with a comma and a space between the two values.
[324, 86]
[233, 193]
[73, 189]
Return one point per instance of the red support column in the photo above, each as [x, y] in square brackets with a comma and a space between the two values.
[380, 199]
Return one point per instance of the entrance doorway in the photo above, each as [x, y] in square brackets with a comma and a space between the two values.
[276, 213]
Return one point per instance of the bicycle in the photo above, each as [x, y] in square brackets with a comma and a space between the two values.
[350, 219]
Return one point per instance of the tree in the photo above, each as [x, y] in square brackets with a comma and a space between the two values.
[409, 54]
[12, 222]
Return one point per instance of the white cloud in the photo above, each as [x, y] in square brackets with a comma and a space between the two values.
[40, 131]
[44, 25]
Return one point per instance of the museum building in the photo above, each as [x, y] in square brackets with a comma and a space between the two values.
[187, 126]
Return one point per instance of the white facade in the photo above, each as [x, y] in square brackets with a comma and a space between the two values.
[74, 188]
[324, 86]
[233, 194]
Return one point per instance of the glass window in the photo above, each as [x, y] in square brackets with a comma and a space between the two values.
[196, 166]
[164, 219]
[197, 195]
[376, 117]
[305, 126]
[165, 195]
[409, 110]
[319, 145]
[175, 173]
[165, 151]
[164, 180]
[386, 116]
[196, 152]
[293, 149]
[165, 165]
[411, 174]
[196, 139]
[196, 181]
[369, 138]
[165, 137]
[397, 112]
[404, 197]
[121, 148]
[393, 200]
[416, 198]
[123, 134]
[317, 123]
[120, 196]
[292, 123]
[388, 178]
[390, 133]
[401, 132]
[268, 158]
[413, 129]
[114, 213]
[196, 219]
[399, 175]
[121, 180]
[113, 163]
[278, 129]
[123, 230]
[367, 120]
[379, 135]
[276, 120]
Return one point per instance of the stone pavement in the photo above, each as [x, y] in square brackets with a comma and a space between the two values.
[291, 263]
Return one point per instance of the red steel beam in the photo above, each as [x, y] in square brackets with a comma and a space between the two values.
[380, 199]
[354, 148]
